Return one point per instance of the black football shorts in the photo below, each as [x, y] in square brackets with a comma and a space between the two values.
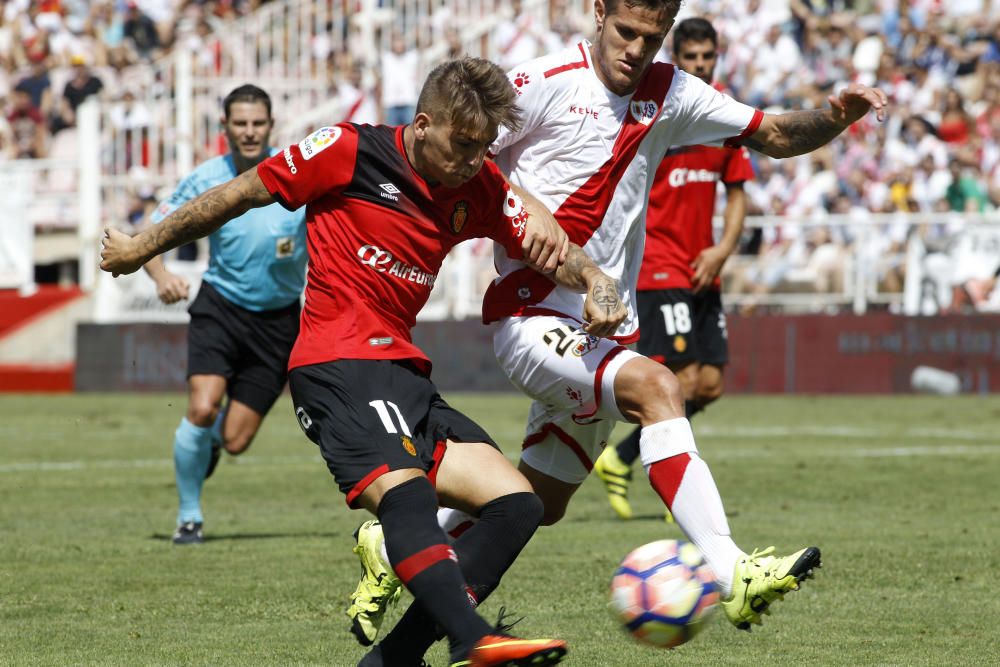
[679, 326]
[371, 416]
[248, 348]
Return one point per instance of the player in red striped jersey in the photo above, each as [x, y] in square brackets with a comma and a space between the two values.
[384, 207]
[678, 298]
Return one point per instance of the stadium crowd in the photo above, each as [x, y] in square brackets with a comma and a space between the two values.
[939, 62]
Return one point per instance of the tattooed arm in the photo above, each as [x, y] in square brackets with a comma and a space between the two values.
[603, 310]
[798, 132]
[197, 218]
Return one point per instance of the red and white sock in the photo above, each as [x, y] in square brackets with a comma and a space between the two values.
[682, 479]
[454, 522]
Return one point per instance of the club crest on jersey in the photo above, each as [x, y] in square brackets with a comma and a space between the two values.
[585, 345]
[459, 216]
[318, 141]
[513, 210]
[408, 445]
[644, 111]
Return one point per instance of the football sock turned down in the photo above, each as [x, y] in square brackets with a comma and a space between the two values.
[628, 449]
[192, 451]
[685, 484]
[485, 551]
[426, 564]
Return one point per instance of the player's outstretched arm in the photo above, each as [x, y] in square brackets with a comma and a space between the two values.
[603, 310]
[199, 217]
[797, 132]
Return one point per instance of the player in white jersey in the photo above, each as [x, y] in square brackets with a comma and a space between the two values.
[597, 119]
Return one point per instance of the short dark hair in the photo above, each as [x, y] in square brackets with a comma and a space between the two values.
[246, 93]
[671, 6]
[694, 30]
[471, 93]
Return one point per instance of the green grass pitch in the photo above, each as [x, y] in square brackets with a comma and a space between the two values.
[900, 493]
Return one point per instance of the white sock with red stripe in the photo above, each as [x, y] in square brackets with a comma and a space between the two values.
[684, 482]
[454, 522]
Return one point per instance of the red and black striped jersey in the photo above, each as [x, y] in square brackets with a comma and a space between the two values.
[681, 206]
[377, 235]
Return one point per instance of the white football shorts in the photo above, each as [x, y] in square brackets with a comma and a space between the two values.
[571, 376]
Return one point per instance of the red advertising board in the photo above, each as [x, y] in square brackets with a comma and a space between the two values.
[859, 354]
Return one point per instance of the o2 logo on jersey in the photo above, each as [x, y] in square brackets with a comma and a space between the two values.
[644, 111]
[513, 210]
[318, 141]
[459, 216]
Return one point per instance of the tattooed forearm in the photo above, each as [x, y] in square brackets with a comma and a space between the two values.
[795, 133]
[574, 270]
[205, 214]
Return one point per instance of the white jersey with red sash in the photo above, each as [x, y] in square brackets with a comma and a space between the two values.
[590, 156]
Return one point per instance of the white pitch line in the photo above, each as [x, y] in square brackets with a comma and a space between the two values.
[127, 464]
[835, 450]
[758, 432]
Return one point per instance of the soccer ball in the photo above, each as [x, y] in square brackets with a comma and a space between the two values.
[663, 593]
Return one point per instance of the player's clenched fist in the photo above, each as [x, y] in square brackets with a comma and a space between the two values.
[603, 310]
[119, 253]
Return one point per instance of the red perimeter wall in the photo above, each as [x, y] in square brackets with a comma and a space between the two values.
[768, 354]
[859, 354]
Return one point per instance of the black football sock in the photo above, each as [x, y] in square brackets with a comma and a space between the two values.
[485, 552]
[628, 449]
[426, 564]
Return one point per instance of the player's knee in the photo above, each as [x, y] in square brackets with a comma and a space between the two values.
[709, 393]
[522, 508]
[710, 388]
[662, 389]
[202, 412]
[238, 444]
[552, 515]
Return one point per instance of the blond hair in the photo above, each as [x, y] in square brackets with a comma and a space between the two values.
[470, 93]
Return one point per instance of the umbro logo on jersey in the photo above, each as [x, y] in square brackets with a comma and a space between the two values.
[389, 191]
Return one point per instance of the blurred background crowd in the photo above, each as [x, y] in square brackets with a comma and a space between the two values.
[939, 62]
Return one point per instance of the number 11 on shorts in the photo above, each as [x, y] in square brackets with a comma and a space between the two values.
[383, 414]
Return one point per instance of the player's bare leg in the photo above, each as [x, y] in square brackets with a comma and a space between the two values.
[239, 427]
[614, 466]
[650, 394]
[710, 385]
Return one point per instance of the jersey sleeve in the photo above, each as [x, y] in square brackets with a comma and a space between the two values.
[532, 99]
[703, 115]
[505, 212]
[321, 163]
[186, 190]
[738, 167]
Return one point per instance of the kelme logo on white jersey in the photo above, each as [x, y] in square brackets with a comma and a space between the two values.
[318, 141]
[681, 176]
[644, 111]
[513, 210]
